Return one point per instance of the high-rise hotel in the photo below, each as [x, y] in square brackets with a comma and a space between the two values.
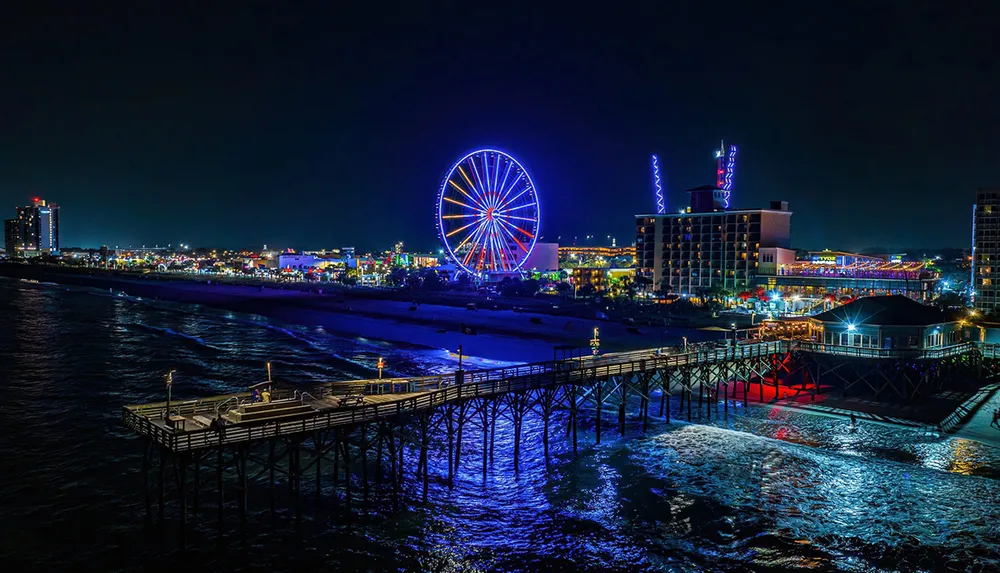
[34, 231]
[986, 249]
[709, 244]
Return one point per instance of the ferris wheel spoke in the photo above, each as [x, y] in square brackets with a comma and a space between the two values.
[482, 197]
[509, 256]
[460, 229]
[482, 256]
[471, 234]
[497, 248]
[486, 172]
[503, 207]
[496, 175]
[478, 207]
[515, 217]
[472, 251]
[489, 245]
[471, 186]
[513, 238]
[460, 204]
[511, 188]
[516, 228]
[461, 216]
[481, 190]
[503, 184]
[526, 205]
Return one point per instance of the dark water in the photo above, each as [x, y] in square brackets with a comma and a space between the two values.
[765, 490]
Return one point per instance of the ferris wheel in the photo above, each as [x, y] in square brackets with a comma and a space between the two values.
[487, 215]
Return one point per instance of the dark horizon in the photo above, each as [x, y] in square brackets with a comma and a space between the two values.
[333, 127]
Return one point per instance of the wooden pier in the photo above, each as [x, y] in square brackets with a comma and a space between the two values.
[351, 431]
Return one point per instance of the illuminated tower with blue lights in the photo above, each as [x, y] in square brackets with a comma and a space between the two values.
[725, 169]
[661, 203]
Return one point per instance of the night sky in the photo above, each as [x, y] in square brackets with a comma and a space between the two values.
[332, 127]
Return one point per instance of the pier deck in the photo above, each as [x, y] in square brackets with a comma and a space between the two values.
[390, 398]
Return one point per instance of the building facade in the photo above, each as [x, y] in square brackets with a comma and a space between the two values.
[889, 323]
[986, 249]
[601, 256]
[843, 275]
[12, 237]
[686, 253]
[35, 230]
[599, 278]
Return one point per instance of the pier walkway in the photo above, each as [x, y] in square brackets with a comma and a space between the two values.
[192, 425]
[382, 399]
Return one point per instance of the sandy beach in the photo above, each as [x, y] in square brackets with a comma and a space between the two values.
[498, 334]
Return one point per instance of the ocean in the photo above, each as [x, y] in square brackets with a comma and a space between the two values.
[765, 489]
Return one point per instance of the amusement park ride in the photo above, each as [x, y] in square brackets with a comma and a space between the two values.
[487, 213]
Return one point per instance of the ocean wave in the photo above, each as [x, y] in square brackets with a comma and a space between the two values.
[170, 332]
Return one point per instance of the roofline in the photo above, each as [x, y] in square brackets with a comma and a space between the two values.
[813, 319]
[713, 213]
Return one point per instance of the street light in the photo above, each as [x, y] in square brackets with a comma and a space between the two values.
[169, 379]
[381, 365]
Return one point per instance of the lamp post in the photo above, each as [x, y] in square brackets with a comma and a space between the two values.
[381, 365]
[169, 378]
[685, 339]
[595, 342]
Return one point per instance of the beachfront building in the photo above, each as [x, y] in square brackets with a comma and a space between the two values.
[602, 279]
[888, 322]
[708, 244]
[986, 250]
[34, 231]
[607, 256]
[11, 237]
[842, 275]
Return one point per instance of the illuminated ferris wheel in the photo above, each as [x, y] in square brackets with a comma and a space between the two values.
[487, 214]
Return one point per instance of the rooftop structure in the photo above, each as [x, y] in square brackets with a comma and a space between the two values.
[888, 322]
[844, 274]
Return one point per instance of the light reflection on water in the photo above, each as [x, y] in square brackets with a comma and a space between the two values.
[766, 488]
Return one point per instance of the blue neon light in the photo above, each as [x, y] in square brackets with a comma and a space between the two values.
[726, 174]
[661, 204]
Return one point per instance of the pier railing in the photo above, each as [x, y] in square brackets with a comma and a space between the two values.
[885, 353]
[419, 393]
[425, 392]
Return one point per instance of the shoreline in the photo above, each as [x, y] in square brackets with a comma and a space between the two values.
[499, 334]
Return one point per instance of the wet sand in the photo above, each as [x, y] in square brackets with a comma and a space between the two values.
[498, 334]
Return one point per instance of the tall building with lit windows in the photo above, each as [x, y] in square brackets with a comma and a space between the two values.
[35, 230]
[986, 249]
[708, 245]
